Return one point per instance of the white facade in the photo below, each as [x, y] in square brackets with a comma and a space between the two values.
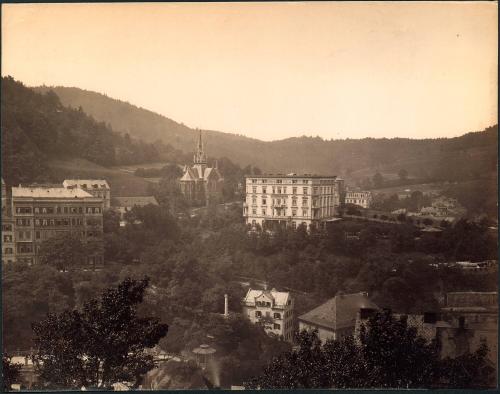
[291, 199]
[363, 199]
[273, 309]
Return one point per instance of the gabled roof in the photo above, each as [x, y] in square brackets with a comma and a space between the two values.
[212, 172]
[189, 174]
[49, 192]
[279, 297]
[86, 183]
[338, 312]
[134, 201]
[198, 173]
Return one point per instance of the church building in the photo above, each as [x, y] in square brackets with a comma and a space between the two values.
[199, 183]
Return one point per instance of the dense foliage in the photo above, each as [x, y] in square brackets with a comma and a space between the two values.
[64, 252]
[388, 354]
[101, 344]
[37, 128]
[194, 261]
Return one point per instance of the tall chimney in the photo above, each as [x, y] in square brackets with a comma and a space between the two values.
[226, 308]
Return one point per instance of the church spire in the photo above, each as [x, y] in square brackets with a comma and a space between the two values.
[199, 155]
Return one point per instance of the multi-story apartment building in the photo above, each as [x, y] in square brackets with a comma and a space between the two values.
[97, 187]
[40, 213]
[273, 309]
[8, 242]
[361, 198]
[291, 200]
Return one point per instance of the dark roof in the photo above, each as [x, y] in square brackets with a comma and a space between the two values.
[134, 201]
[338, 312]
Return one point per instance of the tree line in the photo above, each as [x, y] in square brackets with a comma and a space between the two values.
[37, 127]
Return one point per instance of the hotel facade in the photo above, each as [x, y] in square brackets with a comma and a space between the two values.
[292, 200]
[40, 213]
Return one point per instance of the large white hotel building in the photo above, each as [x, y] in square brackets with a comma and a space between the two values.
[291, 200]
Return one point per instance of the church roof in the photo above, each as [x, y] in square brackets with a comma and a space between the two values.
[199, 170]
[189, 174]
[198, 173]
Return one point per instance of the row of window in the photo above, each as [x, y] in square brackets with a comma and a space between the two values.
[279, 201]
[305, 190]
[23, 222]
[7, 227]
[279, 190]
[294, 225]
[58, 222]
[58, 209]
[26, 235]
[278, 212]
[276, 315]
[304, 181]
[283, 190]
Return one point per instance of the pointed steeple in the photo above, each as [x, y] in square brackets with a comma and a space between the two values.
[199, 155]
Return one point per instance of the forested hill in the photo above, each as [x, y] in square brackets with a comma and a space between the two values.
[37, 128]
[470, 156]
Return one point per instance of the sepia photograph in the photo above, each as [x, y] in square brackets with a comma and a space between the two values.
[249, 195]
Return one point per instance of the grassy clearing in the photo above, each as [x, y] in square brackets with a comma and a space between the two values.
[121, 183]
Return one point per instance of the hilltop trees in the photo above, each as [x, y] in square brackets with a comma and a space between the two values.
[99, 345]
[37, 127]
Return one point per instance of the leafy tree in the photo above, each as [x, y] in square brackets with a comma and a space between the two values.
[99, 345]
[157, 221]
[64, 252]
[10, 372]
[395, 355]
[388, 354]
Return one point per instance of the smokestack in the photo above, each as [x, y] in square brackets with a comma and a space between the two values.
[226, 307]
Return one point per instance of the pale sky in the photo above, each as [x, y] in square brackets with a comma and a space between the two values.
[272, 70]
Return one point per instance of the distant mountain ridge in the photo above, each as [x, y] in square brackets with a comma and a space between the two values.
[469, 156]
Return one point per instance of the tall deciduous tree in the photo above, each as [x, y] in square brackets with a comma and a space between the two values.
[99, 345]
[64, 252]
[388, 354]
